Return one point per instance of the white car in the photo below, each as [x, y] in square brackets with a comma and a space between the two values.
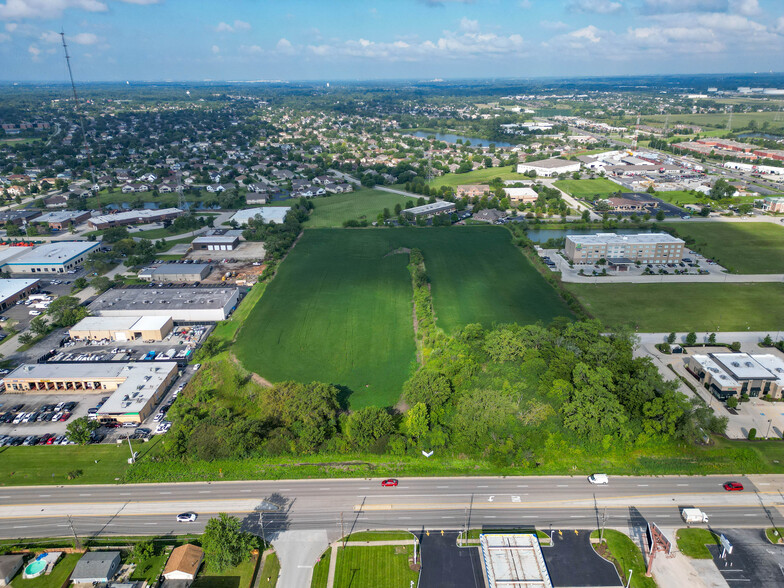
[187, 517]
[196, 366]
[598, 479]
[34, 312]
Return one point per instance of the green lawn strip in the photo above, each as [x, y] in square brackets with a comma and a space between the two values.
[480, 176]
[383, 566]
[745, 248]
[364, 204]
[151, 568]
[271, 571]
[168, 257]
[52, 543]
[680, 197]
[339, 309]
[685, 307]
[155, 234]
[226, 330]
[774, 534]
[62, 570]
[321, 570]
[624, 555]
[169, 244]
[588, 189]
[239, 576]
[380, 536]
[693, 542]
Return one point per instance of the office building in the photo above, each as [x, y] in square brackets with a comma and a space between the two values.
[643, 248]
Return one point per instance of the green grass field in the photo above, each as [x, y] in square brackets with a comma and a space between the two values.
[340, 308]
[588, 189]
[625, 555]
[271, 571]
[50, 465]
[678, 197]
[740, 120]
[692, 542]
[685, 307]
[743, 248]
[480, 176]
[239, 576]
[383, 566]
[365, 204]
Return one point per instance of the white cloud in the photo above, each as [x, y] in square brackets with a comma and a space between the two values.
[251, 49]
[681, 6]
[11, 26]
[442, 2]
[466, 24]
[46, 9]
[34, 51]
[50, 37]
[4, 38]
[215, 49]
[596, 6]
[745, 7]
[284, 46]
[84, 39]
[553, 25]
[238, 25]
[525, 4]
[779, 28]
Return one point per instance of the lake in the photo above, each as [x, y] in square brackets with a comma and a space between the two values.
[542, 235]
[449, 138]
[759, 136]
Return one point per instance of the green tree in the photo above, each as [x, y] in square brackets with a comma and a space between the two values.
[767, 341]
[732, 402]
[79, 431]
[417, 421]
[225, 544]
[114, 234]
[78, 284]
[39, 326]
[752, 434]
[66, 311]
[143, 550]
[712, 339]
[671, 338]
[660, 216]
[428, 386]
[691, 338]
[367, 426]
[735, 346]
[101, 283]
[586, 216]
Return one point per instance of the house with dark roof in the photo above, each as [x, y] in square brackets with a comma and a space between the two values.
[96, 566]
[9, 566]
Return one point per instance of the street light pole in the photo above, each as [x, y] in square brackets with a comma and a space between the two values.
[629, 581]
[767, 435]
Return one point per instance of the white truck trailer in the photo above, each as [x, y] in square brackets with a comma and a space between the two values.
[694, 515]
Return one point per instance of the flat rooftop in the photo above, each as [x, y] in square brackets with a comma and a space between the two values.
[616, 239]
[716, 371]
[9, 288]
[433, 207]
[514, 561]
[58, 252]
[120, 323]
[130, 215]
[60, 216]
[219, 239]
[162, 298]
[268, 214]
[742, 366]
[143, 380]
[552, 163]
[180, 268]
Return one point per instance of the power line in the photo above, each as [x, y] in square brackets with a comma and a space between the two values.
[81, 120]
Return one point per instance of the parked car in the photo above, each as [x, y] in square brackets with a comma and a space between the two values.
[599, 479]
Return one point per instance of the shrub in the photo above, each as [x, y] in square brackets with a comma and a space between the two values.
[732, 402]
[735, 346]
[752, 434]
[691, 338]
[73, 474]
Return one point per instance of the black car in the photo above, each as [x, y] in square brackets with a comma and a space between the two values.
[17, 408]
[70, 405]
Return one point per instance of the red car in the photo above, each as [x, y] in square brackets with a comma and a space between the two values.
[733, 486]
[389, 482]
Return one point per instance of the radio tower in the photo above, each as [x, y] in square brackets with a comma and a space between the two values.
[94, 187]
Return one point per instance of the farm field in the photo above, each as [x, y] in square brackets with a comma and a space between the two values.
[588, 189]
[685, 307]
[743, 248]
[340, 308]
[740, 120]
[365, 204]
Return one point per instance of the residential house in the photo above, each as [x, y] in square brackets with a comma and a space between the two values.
[184, 562]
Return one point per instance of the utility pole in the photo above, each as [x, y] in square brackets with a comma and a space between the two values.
[133, 458]
[94, 187]
[342, 535]
[77, 544]
[604, 520]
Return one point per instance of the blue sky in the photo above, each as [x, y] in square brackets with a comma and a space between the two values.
[370, 39]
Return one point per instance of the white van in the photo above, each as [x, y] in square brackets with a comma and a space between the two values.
[598, 479]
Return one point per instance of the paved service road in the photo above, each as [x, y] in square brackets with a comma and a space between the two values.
[430, 503]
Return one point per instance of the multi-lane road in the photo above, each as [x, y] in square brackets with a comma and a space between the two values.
[430, 503]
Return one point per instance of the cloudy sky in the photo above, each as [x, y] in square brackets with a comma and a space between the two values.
[370, 39]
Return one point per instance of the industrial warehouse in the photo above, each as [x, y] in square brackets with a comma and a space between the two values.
[133, 217]
[176, 272]
[183, 305]
[122, 328]
[51, 258]
[136, 387]
[11, 291]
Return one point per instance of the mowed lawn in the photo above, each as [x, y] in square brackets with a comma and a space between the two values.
[685, 307]
[340, 308]
[480, 176]
[365, 204]
[589, 188]
[382, 566]
[743, 248]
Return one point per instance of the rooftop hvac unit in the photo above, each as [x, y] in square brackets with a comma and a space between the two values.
[749, 364]
[735, 364]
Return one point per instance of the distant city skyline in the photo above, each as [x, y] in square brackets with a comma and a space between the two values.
[243, 40]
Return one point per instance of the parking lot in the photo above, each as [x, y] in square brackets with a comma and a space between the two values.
[754, 560]
[19, 314]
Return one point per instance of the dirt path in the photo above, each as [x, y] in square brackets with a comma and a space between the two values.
[253, 375]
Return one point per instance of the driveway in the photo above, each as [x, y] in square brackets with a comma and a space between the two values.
[572, 562]
[754, 560]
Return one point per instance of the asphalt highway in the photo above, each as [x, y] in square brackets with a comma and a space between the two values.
[358, 504]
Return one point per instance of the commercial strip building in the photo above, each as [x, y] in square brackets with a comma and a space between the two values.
[136, 387]
[429, 210]
[619, 249]
[13, 290]
[62, 219]
[472, 190]
[268, 214]
[772, 204]
[187, 304]
[134, 217]
[734, 374]
[549, 167]
[521, 195]
[50, 258]
[177, 272]
[122, 328]
[514, 561]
